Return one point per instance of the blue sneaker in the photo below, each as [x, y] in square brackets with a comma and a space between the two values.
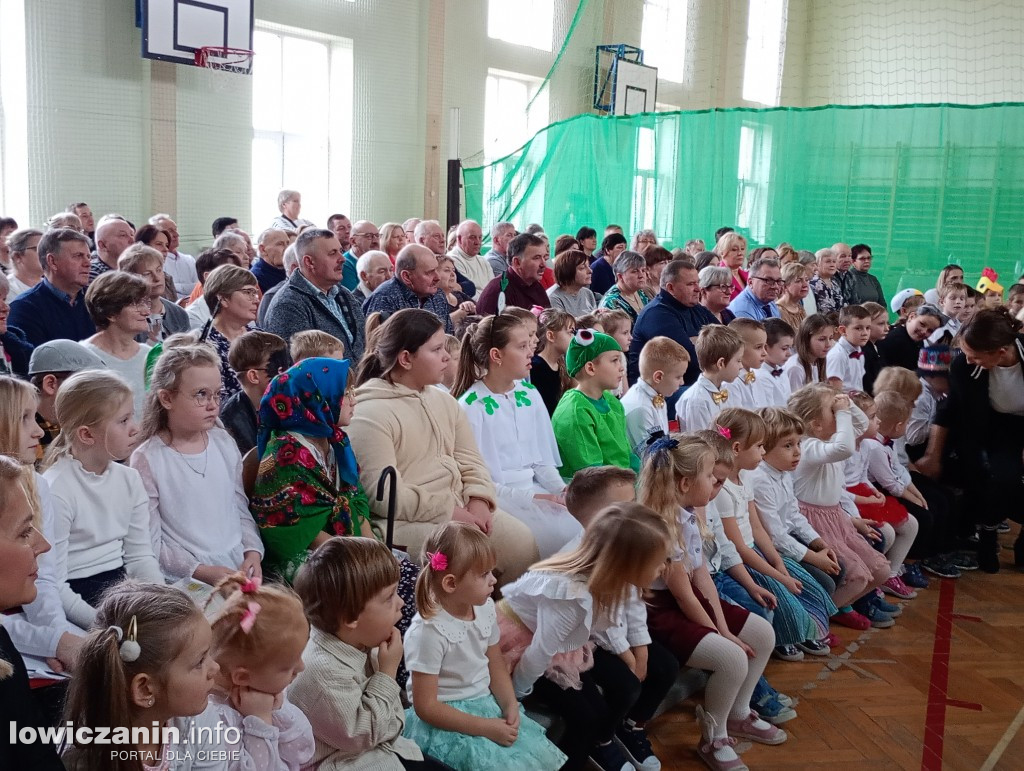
[912, 576]
[887, 607]
[771, 710]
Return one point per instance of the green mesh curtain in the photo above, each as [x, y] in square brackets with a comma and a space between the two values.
[923, 185]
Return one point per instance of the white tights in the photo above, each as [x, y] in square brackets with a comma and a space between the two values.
[897, 553]
[733, 675]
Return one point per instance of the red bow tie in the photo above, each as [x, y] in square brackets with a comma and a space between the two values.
[776, 371]
[856, 354]
[887, 441]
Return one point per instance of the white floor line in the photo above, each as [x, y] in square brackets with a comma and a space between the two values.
[1004, 742]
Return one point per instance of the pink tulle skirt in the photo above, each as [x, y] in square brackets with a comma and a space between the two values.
[564, 670]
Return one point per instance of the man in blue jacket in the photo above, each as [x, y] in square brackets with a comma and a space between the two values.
[54, 309]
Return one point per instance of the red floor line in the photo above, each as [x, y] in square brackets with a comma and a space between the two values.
[935, 717]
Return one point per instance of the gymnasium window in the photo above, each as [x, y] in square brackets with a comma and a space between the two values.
[302, 122]
[663, 37]
[522, 22]
[13, 111]
[762, 67]
[654, 179]
[754, 175]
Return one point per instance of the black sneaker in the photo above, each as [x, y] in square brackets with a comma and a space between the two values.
[1003, 527]
[965, 560]
[610, 757]
[937, 566]
[988, 550]
[638, 747]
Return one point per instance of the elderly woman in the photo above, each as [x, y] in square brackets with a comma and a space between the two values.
[656, 257]
[716, 291]
[119, 305]
[730, 250]
[26, 269]
[392, 239]
[21, 543]
[460, 304]
[233, 297]
[586, 237]
[644, 239]
[786, 253]
[828, 294]
[165, 317]
[630, 278]
[65, 219]
[795, 287]
[571, 292]
[15, 349]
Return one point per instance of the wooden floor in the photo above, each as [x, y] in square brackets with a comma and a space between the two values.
[944, 688]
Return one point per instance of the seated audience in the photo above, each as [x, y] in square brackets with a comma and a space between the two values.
[572, 292]
[26, 269]
[416, 285]
[179, 267]
[730, 248]
[113, 236]
[520, 285]
[628, 294]
[502, 234]
[207, 262]
[603, 278]
[861, 285]
[256, 358]
[165, 317]
[374, 268]
[233, 297]
[826, 286]
[460, 305]
[289, 203]
[15, 349]
[716, 292]
[269, 268]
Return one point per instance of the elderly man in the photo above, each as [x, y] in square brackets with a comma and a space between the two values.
[415, 285]
[501, 236]
[520, 284]
[757, 300]
[289, 203]
[466, 255]
[675, 313]
[54, 309]
[429, 234]
[861, 285]
[365, 238]
[291, 264]
[269, 268]
[313, 297]
[113, 236]
[341, 226]
[179, 266]
[26, 268]
[374, 268]
[409, 226]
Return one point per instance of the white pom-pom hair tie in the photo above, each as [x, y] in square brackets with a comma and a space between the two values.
[128, 649]
[584, 336]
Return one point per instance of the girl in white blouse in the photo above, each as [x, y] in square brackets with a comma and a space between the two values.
[199, 516]
[548, 617]
[464, 710]
[513, 429]
[813, 342]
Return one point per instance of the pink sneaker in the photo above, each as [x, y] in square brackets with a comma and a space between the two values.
[852, 619]
[719, 755]
[897, 588]
[755, 729]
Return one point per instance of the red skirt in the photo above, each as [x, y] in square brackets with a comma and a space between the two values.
[670, 626]
[892, 511]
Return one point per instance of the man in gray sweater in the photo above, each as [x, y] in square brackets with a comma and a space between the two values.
[313, 297]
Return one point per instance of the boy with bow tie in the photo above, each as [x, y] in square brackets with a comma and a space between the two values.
[720, 356]
[779, 337]
[753, 389]
[845, 362]
[663, 364]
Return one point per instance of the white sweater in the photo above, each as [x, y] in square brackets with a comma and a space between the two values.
[101, 523]
[820, 479]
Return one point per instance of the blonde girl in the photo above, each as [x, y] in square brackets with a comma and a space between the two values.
[831, 426]
[813, 342]
[101, 510]
[192, 471]
[686, 615]
[464, 710]
[528, 318]
[619, 326]
[547, 619]
[556, 329]
[148, 656]
[513, 430]
[41, 627]
[259, 633]
[804, 607]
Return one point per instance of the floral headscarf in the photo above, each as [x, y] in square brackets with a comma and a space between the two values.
[307, 400]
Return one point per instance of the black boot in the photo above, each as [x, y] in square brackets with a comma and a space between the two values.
[988, 549]
[1018, 550]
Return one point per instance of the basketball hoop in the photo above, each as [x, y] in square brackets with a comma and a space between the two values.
[225, 59]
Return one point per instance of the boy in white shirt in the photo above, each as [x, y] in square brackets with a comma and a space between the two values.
[845, 361]
[751, 389]
[952, 301]
[772, 483]
[663, 364]
[720, 356]
[779, 337]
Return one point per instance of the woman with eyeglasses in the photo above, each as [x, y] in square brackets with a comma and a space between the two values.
[795, 287]
[730, 249]
[716, 291]
[119, 305]
[234, 298]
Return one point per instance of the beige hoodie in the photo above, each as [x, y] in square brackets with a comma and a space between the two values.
[425, 435]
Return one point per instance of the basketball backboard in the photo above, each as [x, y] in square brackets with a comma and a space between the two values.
[173, 30]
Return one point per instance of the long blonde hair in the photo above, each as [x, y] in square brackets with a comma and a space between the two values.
[167, 377]
[620, 540]
[669, 460]
[12, 474]
[15, 395]
[87, 398]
